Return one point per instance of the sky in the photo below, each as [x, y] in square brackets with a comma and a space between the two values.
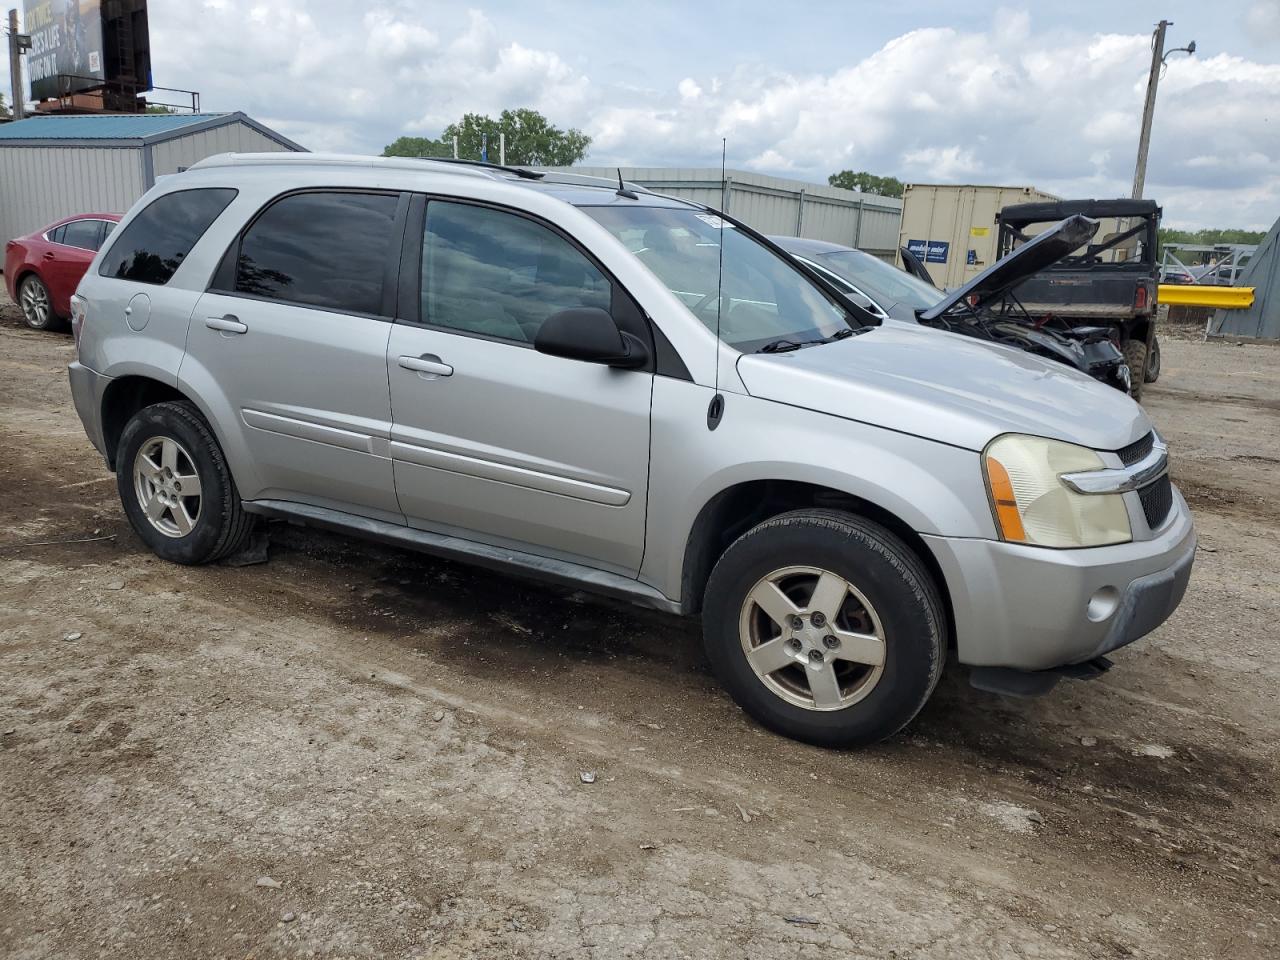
[1042, 94]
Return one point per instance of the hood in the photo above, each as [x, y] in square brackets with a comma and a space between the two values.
[946, 387]
[1039, 252]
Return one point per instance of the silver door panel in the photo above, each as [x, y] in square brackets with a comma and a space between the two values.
[309, 392]
[517, 447]
[516, 476]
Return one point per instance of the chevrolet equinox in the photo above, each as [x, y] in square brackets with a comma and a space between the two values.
[579, 380]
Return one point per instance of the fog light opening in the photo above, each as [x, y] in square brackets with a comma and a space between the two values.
[1103, 603]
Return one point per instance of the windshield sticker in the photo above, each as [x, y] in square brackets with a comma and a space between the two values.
[711, 220]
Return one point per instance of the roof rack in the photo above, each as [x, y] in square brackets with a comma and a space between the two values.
[458, 167]
[324, 159]
[463, 161]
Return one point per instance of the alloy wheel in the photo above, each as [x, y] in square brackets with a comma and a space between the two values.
[34, 300]
[812, 638]
[167, 486]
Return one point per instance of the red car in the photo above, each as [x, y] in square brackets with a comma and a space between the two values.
[42, 269]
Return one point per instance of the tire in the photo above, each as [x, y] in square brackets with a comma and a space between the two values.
[36, 305]
[1153, 362]
[887, 594]
[1135, 357]
[178, 525]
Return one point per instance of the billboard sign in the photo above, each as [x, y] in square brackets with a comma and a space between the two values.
[930, 251]
[66, 41]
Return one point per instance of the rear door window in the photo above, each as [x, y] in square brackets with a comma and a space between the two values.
[331, 250]
[84, 234]
[155, 242]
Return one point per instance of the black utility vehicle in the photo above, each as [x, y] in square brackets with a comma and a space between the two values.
[1106, 288]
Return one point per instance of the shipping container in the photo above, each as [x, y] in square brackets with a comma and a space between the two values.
[776, 205]
[952, 227]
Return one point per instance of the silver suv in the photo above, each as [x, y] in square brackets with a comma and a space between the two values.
[582, 381]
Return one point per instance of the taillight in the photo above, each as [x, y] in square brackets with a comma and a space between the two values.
[1140, 298]
[78, 310]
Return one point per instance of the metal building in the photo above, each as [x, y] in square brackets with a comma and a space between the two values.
[53, 167]
[951, 227]
[1262, 272]
[775, 205]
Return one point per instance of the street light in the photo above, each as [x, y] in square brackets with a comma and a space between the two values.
[1158, 58]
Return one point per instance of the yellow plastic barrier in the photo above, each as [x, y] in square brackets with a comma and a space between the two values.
[1195, 295]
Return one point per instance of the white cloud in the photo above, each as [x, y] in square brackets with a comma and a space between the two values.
[1012, 103]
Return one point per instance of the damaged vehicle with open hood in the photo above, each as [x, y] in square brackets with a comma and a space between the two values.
[580, 381]
[986, 307]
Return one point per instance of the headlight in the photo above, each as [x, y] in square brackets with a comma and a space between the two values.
[1031, 503]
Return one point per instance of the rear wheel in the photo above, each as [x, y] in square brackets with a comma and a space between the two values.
[1135, 357]
[1153, 361]
[825, 627]
[37, 308]
[176, 488]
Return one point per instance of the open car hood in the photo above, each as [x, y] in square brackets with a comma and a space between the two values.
[1033, 256]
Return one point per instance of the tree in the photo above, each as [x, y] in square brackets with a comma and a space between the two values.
[531, 140]
[1210, 236]
[4, 112]
[867, 183]
[159, 108]
[418, 147]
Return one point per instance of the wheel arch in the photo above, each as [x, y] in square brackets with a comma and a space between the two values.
[125, 396]
[24, 271]
[128, 393]
[741, 506]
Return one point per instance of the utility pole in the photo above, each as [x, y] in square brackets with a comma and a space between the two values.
[1149, 108]
[18, 43]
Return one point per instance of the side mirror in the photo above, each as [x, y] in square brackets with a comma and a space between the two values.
[590, 334]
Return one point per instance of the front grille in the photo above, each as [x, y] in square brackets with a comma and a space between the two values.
[1137, 450]
[1157, 499]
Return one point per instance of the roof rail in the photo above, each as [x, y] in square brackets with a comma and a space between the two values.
[463, 161]
[447, 165]
[586, 180]
[327, 159]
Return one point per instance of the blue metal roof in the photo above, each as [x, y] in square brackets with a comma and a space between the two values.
[122, 129]
[133, 126]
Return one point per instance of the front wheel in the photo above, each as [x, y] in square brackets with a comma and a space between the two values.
[176, 488]
[825, 627]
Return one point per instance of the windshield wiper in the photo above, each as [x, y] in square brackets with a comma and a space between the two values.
[784, 344]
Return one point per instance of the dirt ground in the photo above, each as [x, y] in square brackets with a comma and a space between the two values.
[354, 751]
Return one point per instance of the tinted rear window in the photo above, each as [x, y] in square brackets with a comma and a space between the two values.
[153, 245]
[327, 250]
[82, 233]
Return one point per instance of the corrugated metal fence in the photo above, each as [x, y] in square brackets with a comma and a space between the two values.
[775, 205]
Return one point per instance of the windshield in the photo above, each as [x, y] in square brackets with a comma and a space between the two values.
[765, 297]
[883, 283]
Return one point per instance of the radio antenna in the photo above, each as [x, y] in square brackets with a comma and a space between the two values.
[622, 190]
[716, 409]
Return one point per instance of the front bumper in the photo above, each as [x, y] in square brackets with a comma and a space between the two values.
[1033, 608]
[87, 389]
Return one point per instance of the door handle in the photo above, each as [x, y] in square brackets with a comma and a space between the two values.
[48, 255]
[227, 324]
[427, 363]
